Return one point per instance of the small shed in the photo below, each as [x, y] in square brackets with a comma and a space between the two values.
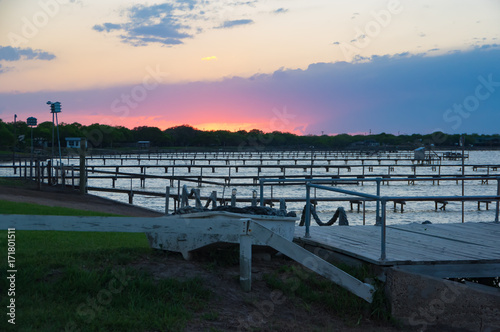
[419, 154]
[73, 142]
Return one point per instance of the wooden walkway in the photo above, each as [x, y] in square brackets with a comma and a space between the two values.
[441, 250]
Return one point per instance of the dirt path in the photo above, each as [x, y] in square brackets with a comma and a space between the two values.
[71, 199]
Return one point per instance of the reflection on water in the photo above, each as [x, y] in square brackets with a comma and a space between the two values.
[413, 211]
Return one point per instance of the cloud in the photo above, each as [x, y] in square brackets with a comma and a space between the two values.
[152, 24]
[208, 58]
[173, 22]
[280, 11]
[9, 53]
[106, 27]
[233, 23]
[386, 93]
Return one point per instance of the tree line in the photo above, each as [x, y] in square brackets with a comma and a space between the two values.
[185, 136]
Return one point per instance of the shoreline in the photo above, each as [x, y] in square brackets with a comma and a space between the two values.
[51, 196]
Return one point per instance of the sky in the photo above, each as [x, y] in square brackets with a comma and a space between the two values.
[307, 67]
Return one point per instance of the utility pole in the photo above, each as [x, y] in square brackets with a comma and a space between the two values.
[54, 109]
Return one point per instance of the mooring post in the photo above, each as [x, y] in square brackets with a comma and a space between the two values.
[83, 168]
[254, 198]
[261, 182]
[167, 199]
[38, 175]
[498, 202]
[233, 197]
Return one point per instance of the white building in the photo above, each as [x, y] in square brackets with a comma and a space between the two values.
[73, 142]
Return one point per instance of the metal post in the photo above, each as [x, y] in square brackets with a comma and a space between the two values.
[377, 213]
[167, 199]
[261, 192]
[308, 209]
[83, 168]
[254, 198]
[14, 146]
[233, 197]
[31, 165]
[382, 244]
[498, 202]
[462, 143]
[52, 155]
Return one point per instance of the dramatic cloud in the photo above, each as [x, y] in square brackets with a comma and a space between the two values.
[233, 23]
[9, 53]
[455, 93]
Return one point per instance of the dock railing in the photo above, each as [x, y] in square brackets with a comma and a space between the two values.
[381, 210]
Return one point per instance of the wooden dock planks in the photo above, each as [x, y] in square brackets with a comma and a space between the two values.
[413, 244]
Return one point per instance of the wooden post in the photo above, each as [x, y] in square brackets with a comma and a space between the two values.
[83, 168]
[245, 258]
[38, 176]
[63, 177]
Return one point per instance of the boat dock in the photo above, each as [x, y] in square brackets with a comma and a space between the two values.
[459, 250]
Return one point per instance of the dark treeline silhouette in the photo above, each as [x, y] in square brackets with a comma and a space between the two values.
[185, 136]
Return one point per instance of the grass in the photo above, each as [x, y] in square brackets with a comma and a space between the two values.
[297, 282]
[7, 207]
[14, 182]
[83, 281]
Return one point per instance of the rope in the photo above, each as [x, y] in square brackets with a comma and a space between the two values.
[339, 214]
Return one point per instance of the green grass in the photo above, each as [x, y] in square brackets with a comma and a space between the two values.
[84, 281]
[14, 182]
[7, 207]
[297, 282]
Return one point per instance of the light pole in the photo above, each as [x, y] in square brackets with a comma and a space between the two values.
[54, 109]
[15, 143]
[31, 121]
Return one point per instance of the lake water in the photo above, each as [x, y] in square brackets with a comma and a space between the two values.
[413, 211]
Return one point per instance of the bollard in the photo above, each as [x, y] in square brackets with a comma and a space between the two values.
[233, 197]
[254, 198]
